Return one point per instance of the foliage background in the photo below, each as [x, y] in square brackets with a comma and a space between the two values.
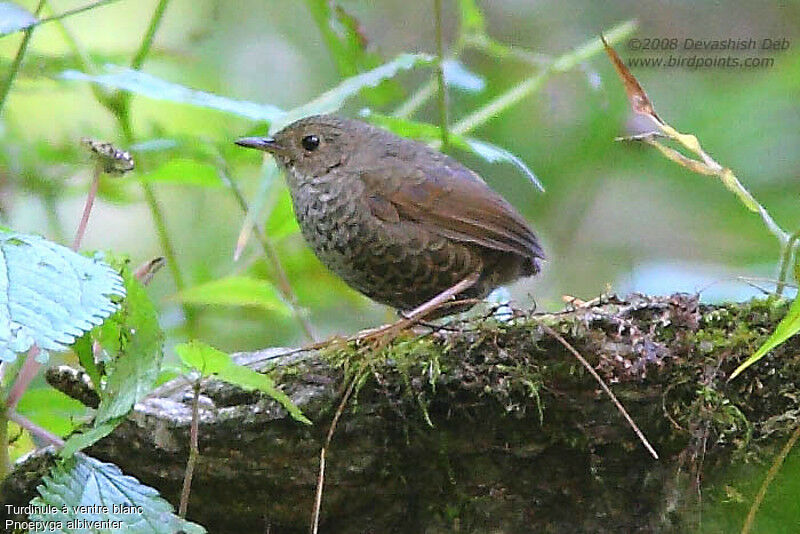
[615, 215]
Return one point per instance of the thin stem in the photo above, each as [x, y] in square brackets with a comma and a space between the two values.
[5, 456]
[442, 93]
[422, 95]
[771, 474]
[70, 12]
[35, 430]
[282, 279]
[786, 260]
[147, 41]
[23, 46]
[315, 514]
[561, 64]
[168, 250]
[26, 374]
[54, 227]
[122, 111]
[87, 207]
[603, 385]
[194, 451]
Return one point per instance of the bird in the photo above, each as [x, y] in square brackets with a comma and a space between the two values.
[398, 221]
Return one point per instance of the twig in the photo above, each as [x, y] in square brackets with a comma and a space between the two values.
[147, 41]
[282, 279]
[603, 385]
[27, 373]
[416, 100]
[5, 456]
[69, 13]
[36, 430]
[23, 46]
[194, 450]
[786, 259]
[321, 477]
[771, 474]
[442, 93]
[87, 207]
[526, 87]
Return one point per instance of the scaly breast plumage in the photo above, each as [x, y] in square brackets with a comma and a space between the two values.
[382, 260]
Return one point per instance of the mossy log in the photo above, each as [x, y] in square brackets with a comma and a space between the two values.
[489, 427]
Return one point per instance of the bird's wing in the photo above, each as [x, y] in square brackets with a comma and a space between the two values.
[452, 201]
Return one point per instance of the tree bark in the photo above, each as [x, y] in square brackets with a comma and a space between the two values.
[490, 427]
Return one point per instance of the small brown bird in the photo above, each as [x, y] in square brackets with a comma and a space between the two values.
[397, 220]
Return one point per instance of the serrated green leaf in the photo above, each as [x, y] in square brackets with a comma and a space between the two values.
[135, 353]
[87, 438]
[14, 18]
[82, 481]
[332, 100]
[787, 328]
[210, 361]
[185, 172]
[235, 291]
[49, 295]
[432, 133]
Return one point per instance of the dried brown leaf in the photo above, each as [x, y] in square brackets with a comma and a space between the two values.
[640, 102]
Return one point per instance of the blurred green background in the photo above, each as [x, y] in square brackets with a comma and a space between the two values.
[615, 215]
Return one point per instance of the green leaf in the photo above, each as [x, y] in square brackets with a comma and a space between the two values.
[14, 18]
[87, 438]
[138, 82]
[51, 409]
[332, 100]
[150, 86]
[81, 481]
[348, 46]
[787, 328]
[432, 133]
[472, 21]
[84, 350]
[210, 361]
[342, 37]
[493, 153]
[134, 341]
[460, 77]
[235, 291]
[258, 204]
[185, 172]
[282, 222]
[49, 295]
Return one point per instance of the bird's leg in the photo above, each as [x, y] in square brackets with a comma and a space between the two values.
[386, 333]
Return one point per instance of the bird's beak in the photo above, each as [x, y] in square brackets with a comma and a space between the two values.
[266, 144]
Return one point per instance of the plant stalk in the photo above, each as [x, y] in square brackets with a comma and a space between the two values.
[442, 93]
[194, 451]
[561, 64]
[87, 207]
[23, 47]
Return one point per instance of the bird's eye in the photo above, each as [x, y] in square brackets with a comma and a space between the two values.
[310, 142]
